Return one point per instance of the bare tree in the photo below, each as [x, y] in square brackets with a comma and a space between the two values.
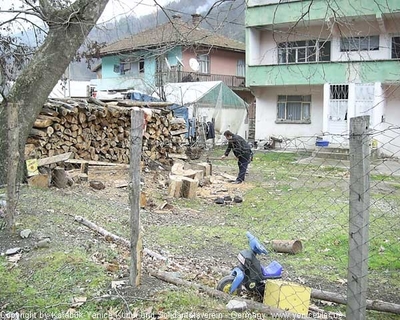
[67, 25]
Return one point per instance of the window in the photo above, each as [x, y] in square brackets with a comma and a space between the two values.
[141, 65]
[125, 66]
[240, 68]
[117, 68]
[204, 63]
[396, 48]
[304, 51]
[339, 92]
[294, 109]
[369, 43]
[130, 66]
[338, 105]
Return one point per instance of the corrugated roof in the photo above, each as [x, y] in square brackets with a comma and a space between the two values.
[171, 34]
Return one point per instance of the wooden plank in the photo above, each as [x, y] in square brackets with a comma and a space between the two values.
[96, 163]
[133, 103]
[54, 159]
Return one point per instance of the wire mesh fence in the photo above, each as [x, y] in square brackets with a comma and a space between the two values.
[293, 192]
[343, 205]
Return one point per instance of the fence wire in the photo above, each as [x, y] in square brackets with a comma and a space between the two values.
[296, 191]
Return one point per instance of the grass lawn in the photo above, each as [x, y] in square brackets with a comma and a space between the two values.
[282, 200]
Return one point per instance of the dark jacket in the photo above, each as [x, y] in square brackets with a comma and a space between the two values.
[241, 149]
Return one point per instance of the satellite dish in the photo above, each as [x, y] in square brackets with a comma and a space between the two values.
[167, 64]
[180, 62]
[194, 64]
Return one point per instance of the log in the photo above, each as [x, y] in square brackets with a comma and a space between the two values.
[204, 166]
[114, 238]
[42, 123]
[60, 178]
[108, 235]
[38, 133]
[189, 188]
[39, 181]
[287, 246]
[175, 186]
[376, 305]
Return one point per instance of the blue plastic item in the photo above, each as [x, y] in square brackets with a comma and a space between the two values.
[255, 245]
[273, 270]
[322, 143]
[239, 276]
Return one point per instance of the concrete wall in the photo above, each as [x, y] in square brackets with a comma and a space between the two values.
[221, 61]
[389, 139]
[266, 112]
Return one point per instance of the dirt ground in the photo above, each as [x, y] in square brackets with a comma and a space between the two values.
[205, 266]
[208, 265]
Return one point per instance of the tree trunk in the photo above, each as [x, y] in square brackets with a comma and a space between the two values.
[68, 28]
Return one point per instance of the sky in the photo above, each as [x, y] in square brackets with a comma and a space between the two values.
[120, 8]
[114, 9]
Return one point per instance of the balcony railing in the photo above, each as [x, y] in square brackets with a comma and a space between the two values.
[184, 76]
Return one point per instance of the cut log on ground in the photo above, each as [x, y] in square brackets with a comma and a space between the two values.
[39, 181]
[287, 246]
[60, 178]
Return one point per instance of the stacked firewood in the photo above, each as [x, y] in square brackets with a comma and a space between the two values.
[96, 131]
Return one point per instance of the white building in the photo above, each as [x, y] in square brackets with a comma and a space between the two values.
[313, 65]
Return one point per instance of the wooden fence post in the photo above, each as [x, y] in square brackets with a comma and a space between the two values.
[13, 161]
[358, 218]
[137, 125]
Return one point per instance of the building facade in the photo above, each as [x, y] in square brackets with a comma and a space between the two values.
[314, 64]
[173, 52]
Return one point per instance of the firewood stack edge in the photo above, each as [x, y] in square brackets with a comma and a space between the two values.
[93, 130]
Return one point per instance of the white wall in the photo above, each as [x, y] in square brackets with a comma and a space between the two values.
[265, 51]
[253, 47]
[387, 133]
[72, 88]
[266, 110]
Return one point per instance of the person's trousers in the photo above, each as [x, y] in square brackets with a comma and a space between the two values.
[243, 163]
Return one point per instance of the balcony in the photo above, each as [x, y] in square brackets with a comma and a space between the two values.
[233, 82]
[264, 13]
[384, 71]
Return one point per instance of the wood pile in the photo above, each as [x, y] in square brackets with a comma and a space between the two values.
[95, 131]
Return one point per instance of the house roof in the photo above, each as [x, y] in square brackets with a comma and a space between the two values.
[175, 32]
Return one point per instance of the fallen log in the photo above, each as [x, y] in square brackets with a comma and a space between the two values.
[102, 231]
[376, 305]
[251, 305]
[112, 237]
